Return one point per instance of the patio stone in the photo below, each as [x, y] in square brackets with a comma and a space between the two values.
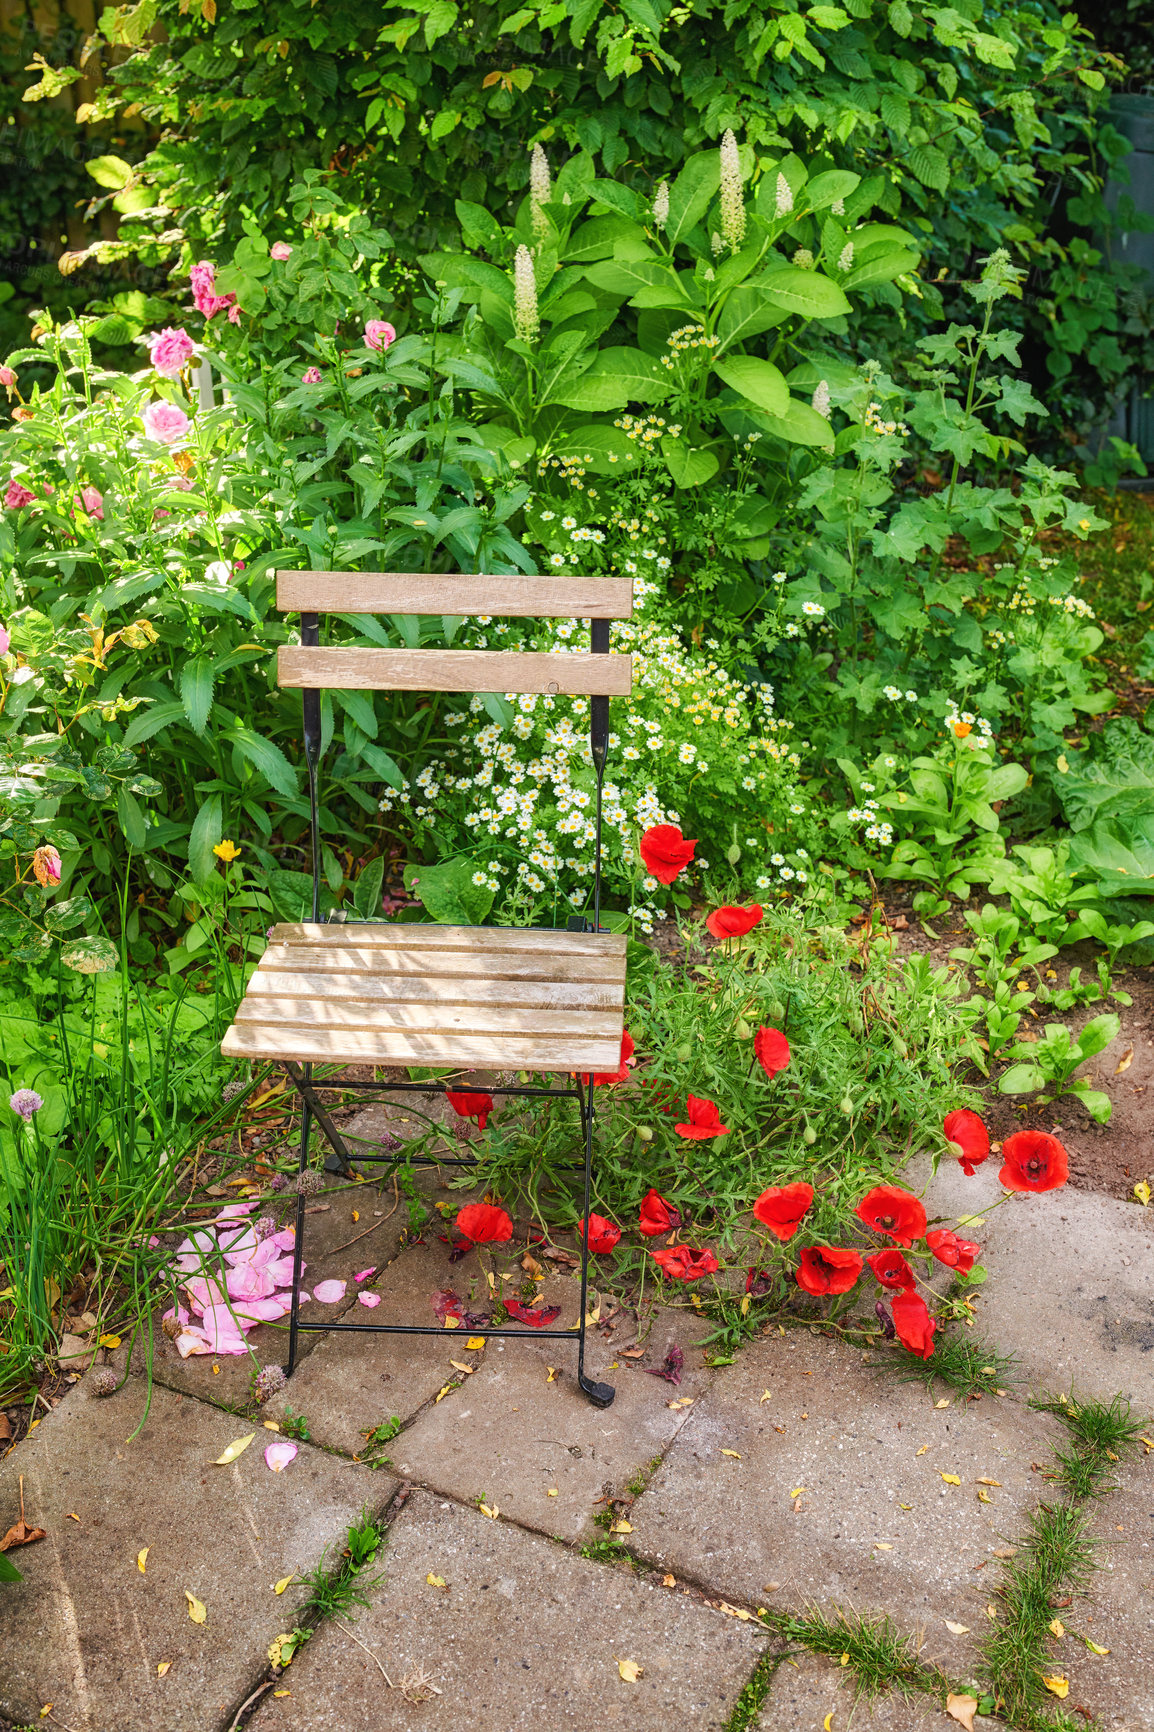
[524, 1634]
[86, 1630]
[1071, 1287]
[807, 1688]
[804, 1477]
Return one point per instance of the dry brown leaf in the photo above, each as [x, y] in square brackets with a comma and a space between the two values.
[882, 1546]
[996, 1482]
[629, 1671]
[669, 1581]
[944, 1402]
[532, 1268]
[962, 1709]
[5, 1428]
[956, 1629]
[458, 1365]
[1005, 1551]
[21, 1534]
[1125, 1061]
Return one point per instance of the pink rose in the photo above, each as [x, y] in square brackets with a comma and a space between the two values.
[379, 334]
[311, 376]
[204, 296]
[17, 496]
[280, 250]
[5, 640]
[7, 377]
[180, 483]
[169, 350]
[233, 311]
[93, 502]
[164, 422]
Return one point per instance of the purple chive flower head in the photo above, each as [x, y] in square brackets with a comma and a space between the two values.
[26, 1102]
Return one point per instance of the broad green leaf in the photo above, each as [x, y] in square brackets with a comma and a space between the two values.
[109, 171]
[601, 447]
[1115, 780]
[804, 292]
[617, 378]
[605, 237]
[1120, 852]
[266, 757]
[1097, 1104]
[1097, 1035]
[757, 381]
[149, 722]
[689, 466]
[367, 889]
[881, 269]
[90, 955]
[800, 425]
[470, 275]
[448, 892]
[131, 818]
[691, 192]
[205, 834]
[824, 189]
[1022, 1079]
[748, 311]
[196, 681]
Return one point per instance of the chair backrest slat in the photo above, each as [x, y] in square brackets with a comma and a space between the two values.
[406, 592]
[448, 670]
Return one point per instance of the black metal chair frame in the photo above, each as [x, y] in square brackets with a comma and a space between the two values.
[339, 1161]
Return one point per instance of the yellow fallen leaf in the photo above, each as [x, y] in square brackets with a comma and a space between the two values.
[1058, 1685]
[944, 1402]
[731, 1452]
[436, 1581]
[475, 1341]
[110, 1341]
[441, 1394]
[1148, 1441]
[459, 1365]
[962, 1709]
[1142, 1192]
[764, 1398]
[356, 1214]
[923, 1449]
[452, 1322]
[1056, 1627]
[270, 1424]
[1125, 1061]
[845, 1659]
[142, 1558]
[1093, 1646]
[553, 1492]
[798, 1491]
[592, 1317]
[984, 1496]
[492, 1513]
[951, 1479]
[197, 1610]
[827, 1723]
[735, 1611]
[72, 1516]
[552, 1377]
[621, 1527]
[996, 1482]
[282, 1692]
[991, 1611]
[236, 1448]
[882, 1546]
[629, 1671]
[162, 1667]
[216, 1371]
[47, 1709]
[956, 1629]
[745, 1303]
[669, 1581]
[905, 1506]
[285, 1582]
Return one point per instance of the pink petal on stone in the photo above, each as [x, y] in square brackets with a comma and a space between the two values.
[250, 1311]
[278, 1455]
[369, 1299]
[153, 1242]
[191, 1254]
[236, 1211]
[284, 1240]
[301, 1297]
[281, 1270]
[329, 1292]
[246, 1281]
[238, 1243]
[203, 1294]
[364, 1274]
[223, 1329]
[191, 1341]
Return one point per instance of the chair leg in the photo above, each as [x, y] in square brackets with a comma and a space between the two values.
[600, 1394]
[338, 1161]
[298, 1241]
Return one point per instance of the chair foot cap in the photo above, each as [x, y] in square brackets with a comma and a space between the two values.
[600, 1394]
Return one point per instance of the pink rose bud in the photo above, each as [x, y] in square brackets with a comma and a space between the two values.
[311, 376]
[280, 250]
[233, 312]
[7, 377]
[46, 866]
[164, 422]
[93, 502]
[170, 350]
[379, 334]
[5, 640]
[17, 496]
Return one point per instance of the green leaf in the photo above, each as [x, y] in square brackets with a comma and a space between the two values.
[131, 818]
[929, 165]
[109, 171]
[1097, 1104]
[59, 916]
[151, 721]
[90, 956]
[804, 292]
[757, 381]
[8, 1570]
[689, 466]
[292, 895]
[1022, 1079]
[1097, 1035]
[603, 448]
[266, 757]
[1117, 779]
[448, 893]
[1120, 852]
[367, 890]
[617, 378]
[881, 269]
[690, 194]
[800, 425]
[205, 834]
[748, 311]
[196, 679]
[823, 189]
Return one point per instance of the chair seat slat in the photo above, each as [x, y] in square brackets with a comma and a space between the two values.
[454, 1051]
[414, 592]
[373, 987]
[487, 1020]
[446, 670]
[480, 941]
[441, 964]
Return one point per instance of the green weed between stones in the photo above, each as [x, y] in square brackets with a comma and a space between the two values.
[337, 1591]
[969, 1367]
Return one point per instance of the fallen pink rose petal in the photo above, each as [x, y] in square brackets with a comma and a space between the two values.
[261, 1310]
[153, 1242]
[284, 1240]
[329, 1292]
[369, 1299]
[234, 1211]
[191, 1341]
[363, 1274]
[278, 1455]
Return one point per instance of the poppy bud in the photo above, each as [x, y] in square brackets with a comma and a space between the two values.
[846, 1103]
[733, 853]
[684, 1053]
[644, 1134]
[809, 1136]
[742, 1030]
[900, 1046]
[775, 1011]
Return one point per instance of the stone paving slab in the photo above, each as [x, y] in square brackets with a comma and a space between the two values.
[86, 1630]
[808, 1688]
[524, 1635]
[515, 1436]
[1071, 1281]
[1118, 1611]
[824, 1454]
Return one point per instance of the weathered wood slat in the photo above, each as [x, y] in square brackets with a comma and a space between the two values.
[481, 941]
[447, 670]
[412, 592]
[487, 1020]
[442, 964]
[459, 1051]
[391, 989]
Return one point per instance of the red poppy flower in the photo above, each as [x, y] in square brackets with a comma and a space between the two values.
[757, 1283]
[828, 1269]
[536, 1317]
[891, 1268]
[771, 1049]
[1033, 1161]
[680, 1263]
[470, 1106]
[781, 1208]
[915, 1327]
[959, 1254]
[971, 1136]
[704, 1121]
[666, 852]
[733, 921]
[484, 1223]
[888, 1209]
[657, 1216]
[603, 1235]
[621, 1073]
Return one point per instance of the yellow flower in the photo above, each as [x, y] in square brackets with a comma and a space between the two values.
[226, 851]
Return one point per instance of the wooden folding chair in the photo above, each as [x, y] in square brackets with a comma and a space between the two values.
[429, 995]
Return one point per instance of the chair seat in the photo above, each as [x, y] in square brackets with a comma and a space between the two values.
[467, 996]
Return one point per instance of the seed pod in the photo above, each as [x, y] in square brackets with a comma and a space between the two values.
[644, 1134]
[742, 1029]
[809, 1136]
[846, 1103]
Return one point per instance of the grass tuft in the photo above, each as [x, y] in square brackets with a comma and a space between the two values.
[970, 1367]
[752, 1699]
[1100, 1437]
[871, 1648]
[1055, 1559]
[337, 1590]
